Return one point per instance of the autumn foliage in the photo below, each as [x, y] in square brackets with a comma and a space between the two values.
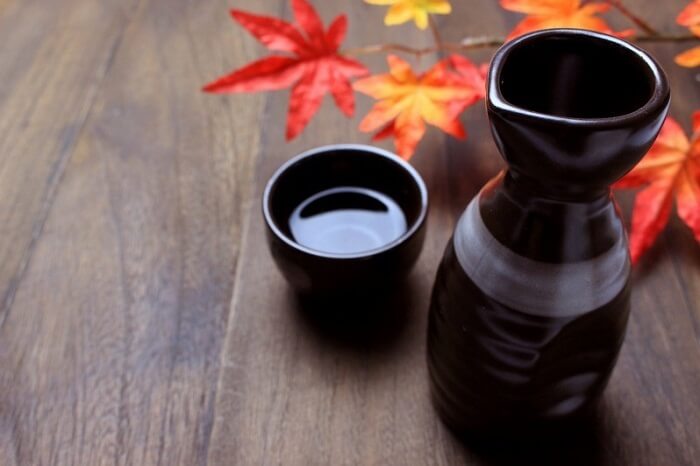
[419, 11]
[690, 18]
[312, 69]
[308, 60]
[548, 14]
[671, 170]
[407, 101]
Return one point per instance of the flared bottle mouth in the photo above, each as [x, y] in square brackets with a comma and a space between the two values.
[576, 77]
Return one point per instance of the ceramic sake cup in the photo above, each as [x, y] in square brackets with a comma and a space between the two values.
[312, 271]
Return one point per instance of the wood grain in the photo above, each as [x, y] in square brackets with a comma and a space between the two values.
[110, 348]
[53, 60]
[142, 321]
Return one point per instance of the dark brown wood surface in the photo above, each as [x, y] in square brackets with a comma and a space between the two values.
[142, 321]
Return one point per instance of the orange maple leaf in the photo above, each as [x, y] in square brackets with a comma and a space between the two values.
[407, 101]
[549, 14]
[671, 167]
[690, 18]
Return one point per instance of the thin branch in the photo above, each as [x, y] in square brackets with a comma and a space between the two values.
[385, 48]
[471, 43]
[639, 22]
[668, 38]
[436, 32]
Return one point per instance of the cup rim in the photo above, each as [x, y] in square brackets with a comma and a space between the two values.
[327, 150]
[497, 103]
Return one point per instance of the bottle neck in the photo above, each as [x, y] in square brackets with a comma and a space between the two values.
[524, 186]
[545, 226]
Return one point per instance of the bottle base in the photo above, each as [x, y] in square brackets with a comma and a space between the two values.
[512, 429]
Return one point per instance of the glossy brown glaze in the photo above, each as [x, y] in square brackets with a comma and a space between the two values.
[572, 111]
[531, 300]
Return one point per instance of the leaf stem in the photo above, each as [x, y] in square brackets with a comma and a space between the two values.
[471, 43]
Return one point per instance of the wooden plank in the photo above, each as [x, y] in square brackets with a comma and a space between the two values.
[294, 391]
[110, 351]
[122, 196]
[53, 57]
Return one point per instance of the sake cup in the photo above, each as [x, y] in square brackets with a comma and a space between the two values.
[345, 219]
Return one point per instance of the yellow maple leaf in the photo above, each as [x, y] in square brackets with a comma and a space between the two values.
[548, 14]
[402, 11]
[407, 101]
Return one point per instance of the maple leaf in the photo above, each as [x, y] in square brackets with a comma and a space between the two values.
[469, 75]
[690, 18]
[402, 11]
[690, 58]
[670, 168]
[312, 67]
[548, 14]
[407, 101]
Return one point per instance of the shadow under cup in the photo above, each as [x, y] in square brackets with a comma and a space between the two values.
[345, 219]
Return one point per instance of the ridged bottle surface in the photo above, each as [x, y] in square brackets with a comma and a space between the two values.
[514, 340]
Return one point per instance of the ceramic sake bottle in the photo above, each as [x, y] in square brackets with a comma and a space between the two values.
[531, 300]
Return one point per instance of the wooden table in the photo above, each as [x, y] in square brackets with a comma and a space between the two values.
[141, 319]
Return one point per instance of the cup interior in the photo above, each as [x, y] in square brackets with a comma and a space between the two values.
[331, 167]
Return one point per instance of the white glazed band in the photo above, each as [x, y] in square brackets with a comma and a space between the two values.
[537, 288]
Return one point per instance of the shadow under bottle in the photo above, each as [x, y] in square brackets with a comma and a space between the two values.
[531, 300]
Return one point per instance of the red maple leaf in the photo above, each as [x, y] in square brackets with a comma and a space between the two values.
[670, 169]
[471, 75]
[312, 66]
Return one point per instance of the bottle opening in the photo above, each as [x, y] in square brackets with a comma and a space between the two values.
[565, 76]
